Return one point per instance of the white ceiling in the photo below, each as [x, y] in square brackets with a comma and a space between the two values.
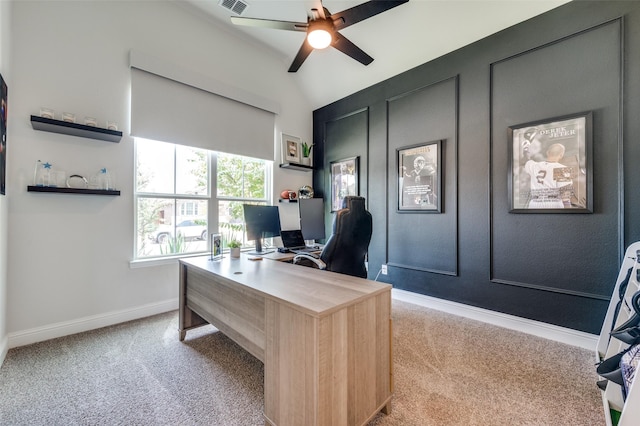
[398, 39]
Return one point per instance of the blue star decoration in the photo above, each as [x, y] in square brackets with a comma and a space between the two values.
[46, 165]
[103, 170]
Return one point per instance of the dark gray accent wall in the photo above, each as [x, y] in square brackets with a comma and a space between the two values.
[555, 268]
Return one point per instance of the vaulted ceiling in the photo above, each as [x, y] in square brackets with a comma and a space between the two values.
[398, 39]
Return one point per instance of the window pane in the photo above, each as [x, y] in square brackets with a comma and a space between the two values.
[254, 178]
[155, 225]
[191, 171]
[241, 177]
[161, 232]
[229, 175]
[155, 166]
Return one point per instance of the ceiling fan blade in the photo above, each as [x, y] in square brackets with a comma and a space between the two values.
[348, 48]
[363, 11]
[268, 23]
[303, 53]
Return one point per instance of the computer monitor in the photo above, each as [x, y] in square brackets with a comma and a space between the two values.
[261, 222]
[312, 218]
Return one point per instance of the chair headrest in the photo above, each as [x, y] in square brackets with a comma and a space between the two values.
[353, 202]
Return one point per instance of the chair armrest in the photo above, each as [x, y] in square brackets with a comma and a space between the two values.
[320, 264]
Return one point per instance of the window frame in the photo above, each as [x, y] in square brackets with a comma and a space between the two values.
[212, 198]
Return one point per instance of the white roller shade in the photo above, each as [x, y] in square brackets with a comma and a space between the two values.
[171, 111]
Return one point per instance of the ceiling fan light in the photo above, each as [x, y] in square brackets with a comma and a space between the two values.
[319, 39]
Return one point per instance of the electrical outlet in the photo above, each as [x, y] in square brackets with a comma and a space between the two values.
[384, 269]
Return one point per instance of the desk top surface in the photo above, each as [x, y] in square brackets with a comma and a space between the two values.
[310, 290]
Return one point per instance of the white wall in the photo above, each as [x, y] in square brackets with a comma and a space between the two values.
[5, 44]
[69, 254]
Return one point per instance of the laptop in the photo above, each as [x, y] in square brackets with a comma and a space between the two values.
[294, 241]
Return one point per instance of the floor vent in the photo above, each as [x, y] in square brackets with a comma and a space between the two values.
[236, 6]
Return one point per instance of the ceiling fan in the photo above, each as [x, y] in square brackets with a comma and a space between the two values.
[322, 29]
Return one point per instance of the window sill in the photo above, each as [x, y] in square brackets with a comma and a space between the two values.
[161, 261]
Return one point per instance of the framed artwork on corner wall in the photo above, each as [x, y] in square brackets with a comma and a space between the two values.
[3, 135]
[551, 165]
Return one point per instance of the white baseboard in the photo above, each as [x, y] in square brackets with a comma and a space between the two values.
[536, 328]
[93, 322]
[4, 347]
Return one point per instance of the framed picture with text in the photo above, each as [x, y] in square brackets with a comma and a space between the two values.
[420, 177]
[551, 166]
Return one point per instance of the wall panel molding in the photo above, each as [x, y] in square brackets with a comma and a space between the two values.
[440, 105]
[543, 82]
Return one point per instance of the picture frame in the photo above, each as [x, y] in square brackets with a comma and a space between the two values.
[420, 177]
[344, 180]
[551, 165]
[290, 149]
[3, 135]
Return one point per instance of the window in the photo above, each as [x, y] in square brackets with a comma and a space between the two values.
[178, 204]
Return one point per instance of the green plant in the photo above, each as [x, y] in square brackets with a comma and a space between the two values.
[175, 244]
[234, 244]
[306, 149]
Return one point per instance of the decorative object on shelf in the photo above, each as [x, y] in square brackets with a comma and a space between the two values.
[419, 177]
[305, 192]
[105, 180]
[42, 174]
[344, 180]
[288, 194]
[290, 149]
[111, 125]
[68, 117]
[74, 129]
[3, 135]
[77, 181]
[551, 168]
[90, 121]
[306, 153]
[47, 113]
[102, 180]
[234, 248]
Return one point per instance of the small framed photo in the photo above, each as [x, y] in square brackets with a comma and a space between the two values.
[344, 181]
[290, 149]
[551, 165]
[216, 246]
[420, 177]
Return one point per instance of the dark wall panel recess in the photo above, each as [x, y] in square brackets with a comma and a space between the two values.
[563, 252]
[425, 241]
[554, 268]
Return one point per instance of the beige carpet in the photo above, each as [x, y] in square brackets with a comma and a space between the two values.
[448, 371]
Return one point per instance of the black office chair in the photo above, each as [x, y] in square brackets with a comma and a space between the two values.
[346, 248]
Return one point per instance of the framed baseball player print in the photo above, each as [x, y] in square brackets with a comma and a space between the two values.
[344, 180]
[551, 166]
[419, 177]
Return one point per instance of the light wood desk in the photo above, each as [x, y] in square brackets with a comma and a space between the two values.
[324, 337]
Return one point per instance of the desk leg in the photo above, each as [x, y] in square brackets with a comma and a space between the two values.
[187, 319]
